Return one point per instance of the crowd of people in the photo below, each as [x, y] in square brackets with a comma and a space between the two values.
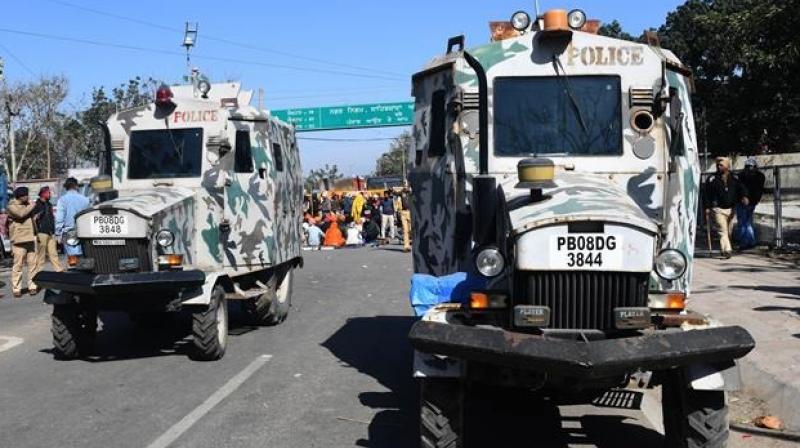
[35, 229]
[355, 219]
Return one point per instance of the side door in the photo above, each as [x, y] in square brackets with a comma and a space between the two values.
[436, 175]
[246, 204]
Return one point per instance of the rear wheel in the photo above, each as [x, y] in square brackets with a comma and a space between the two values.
[693, 418]
[210, 328]
[74, 329]
[272, 307]
[441, 413]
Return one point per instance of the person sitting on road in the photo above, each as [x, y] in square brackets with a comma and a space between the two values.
[371, 230]
[333, 236]
[353, 234]
[22, 231]
[314, 236]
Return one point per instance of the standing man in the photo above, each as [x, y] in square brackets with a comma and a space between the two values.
[358, 206]
[722, 192]
[753, 181]
[22, 232]
[45, 220]
[68, 206]
[405, 219]
[387, 216]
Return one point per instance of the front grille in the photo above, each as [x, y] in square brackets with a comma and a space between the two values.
[106, 258]
[582, 300]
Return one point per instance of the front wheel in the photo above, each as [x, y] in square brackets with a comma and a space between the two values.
[74, 329]
[210, 328]
[441, 413]
[693, 418]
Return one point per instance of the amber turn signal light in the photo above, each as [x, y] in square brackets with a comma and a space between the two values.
[72, 260]
[484, 300]
[676, 301]
[170, 260]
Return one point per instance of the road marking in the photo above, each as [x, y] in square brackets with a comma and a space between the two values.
[216, 398]
[10, 342]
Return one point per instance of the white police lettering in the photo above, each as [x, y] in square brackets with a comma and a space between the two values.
[626, 55]
[194, 116]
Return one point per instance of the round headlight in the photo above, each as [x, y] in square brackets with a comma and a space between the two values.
[520, 20]
[576, 19]
[165, 238]
[71, 239]
[490, 262]
[670, 264]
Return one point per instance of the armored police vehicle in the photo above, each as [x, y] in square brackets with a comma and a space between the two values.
[559, 170]
[205, 208]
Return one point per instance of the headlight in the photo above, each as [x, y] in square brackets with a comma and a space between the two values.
[71, 239]
[165, 238]
[520, 20]
[490, 262]
[670, 264]
[576, 19]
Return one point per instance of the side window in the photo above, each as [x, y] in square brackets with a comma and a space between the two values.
[243, 156]
[277, 156]
[436, 145]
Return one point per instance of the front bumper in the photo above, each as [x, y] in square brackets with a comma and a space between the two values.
[592, 359]
[120, 284]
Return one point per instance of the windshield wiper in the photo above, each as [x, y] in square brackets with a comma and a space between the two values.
[575, 106]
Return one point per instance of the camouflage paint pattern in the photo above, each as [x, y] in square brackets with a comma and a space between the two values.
[647, 186]
[261, 209]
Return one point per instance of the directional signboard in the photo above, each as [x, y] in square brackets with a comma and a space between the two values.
[348, 117]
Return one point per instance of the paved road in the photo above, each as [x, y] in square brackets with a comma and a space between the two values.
[335, 374]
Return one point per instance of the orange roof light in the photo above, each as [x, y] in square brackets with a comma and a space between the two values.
[555, 20]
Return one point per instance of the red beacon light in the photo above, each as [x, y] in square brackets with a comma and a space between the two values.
[164, 96]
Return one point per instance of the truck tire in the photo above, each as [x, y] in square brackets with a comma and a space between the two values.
[441, 413]
[693, 418]
[74, 329]
[210, 328]
[272, 307]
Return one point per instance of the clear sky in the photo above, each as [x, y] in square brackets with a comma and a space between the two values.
[302, 53]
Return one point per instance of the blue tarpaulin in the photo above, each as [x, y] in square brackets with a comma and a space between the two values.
[428, 291]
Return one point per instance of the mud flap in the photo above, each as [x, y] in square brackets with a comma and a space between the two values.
[202, 296]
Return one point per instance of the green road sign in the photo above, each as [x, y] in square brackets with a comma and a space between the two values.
[348, 117]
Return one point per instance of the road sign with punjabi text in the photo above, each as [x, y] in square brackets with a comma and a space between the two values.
[348, 117]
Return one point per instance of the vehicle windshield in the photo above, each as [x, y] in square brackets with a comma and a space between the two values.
[160, 154]
[536, 116]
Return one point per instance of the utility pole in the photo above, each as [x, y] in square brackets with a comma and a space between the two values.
[13, 111]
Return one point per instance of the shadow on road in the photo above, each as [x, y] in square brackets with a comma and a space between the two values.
[790, 292]
[378, 347]
[119, 338]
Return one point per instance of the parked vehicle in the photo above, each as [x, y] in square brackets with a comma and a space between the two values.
[205, 208]
[558, 168]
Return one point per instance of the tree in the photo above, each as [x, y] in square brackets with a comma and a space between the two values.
[743, 54]
[391, 162]
[316, 178]
[136, 92]
[614, 29]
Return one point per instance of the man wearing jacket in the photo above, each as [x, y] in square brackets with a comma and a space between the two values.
[723, 192]
[70, 203]
[45, 220]
[22, 232]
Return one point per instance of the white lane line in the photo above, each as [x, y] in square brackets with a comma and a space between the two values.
[10, 342]
[216, 398]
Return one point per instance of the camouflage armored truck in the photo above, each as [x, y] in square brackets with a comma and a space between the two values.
[559, 170]
[205, 209]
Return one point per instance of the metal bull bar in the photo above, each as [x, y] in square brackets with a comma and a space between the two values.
[590, 359]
